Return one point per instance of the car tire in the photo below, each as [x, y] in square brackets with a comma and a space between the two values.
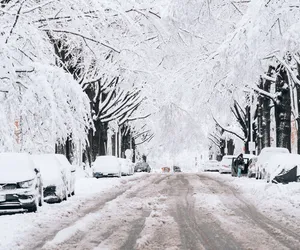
[73, 193]
[34, 208]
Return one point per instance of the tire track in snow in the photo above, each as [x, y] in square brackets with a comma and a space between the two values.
[281, 234]
[113, 220]
[89, 206]
[198, 231]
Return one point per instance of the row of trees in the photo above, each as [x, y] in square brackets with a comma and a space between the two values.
[259, 64]
[72, 74]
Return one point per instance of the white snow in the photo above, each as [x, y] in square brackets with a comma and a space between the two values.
[107, 164]
[276, 200]
[16, 167]
[16, 229]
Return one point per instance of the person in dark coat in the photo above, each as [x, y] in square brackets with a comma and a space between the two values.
[239, 162]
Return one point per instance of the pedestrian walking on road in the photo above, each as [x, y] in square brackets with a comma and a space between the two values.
[239, 162]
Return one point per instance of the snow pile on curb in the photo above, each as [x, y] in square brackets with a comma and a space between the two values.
[283, 198]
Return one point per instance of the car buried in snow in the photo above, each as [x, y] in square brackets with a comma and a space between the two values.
[21, 187]
[225, 164]
[283, 168]
[210, 165]
[70, 172]
[264, 157]
[127, 167]
[252, 167]
[55, 185]
[106, 166]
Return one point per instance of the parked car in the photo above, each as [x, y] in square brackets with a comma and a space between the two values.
[106, 166]
[283, 168]
[264, 157]
[127, 167]
[55, 186]
[142, 167]
[165, 169]
[211, 165]
[252, 167]
[176, 169]
[247, 158]
[70, 173]
[225, 164]
[20, 183]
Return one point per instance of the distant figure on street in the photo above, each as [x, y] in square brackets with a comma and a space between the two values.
[239, 162]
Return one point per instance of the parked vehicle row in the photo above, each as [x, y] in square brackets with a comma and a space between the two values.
[28, 180]
[111, 166]
[273, 164]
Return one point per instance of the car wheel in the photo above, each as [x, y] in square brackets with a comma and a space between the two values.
[34, 208]
[73, 193]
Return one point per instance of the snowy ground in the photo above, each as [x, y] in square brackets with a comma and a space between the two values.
[162, 211]
[16, 229]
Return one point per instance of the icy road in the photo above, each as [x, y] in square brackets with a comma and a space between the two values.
[167, 211]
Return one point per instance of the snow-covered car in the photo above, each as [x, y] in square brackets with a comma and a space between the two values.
[142, 167]
[264, 157]
[225, 164]
[211, 165]
[252, 167]
[127, 167]
[70, 173]
[234, 167]
[106, 166]
[53, 176]
[283, 168]
[20, 183]
[176, 169]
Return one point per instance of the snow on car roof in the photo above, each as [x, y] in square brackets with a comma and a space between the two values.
[15, 167]
[15, 161]
[49, 166]
[274, 149]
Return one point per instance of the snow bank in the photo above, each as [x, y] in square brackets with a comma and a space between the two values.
[267, 197]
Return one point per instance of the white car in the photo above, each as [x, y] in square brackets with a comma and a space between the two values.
[264, 157]
[211, 165]
[225, 164]
[281, 164]
[106, 166]
[70, 173]
[20, 184]
[53, 177]
[127, 167]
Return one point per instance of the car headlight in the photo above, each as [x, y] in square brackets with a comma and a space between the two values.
[26, 184]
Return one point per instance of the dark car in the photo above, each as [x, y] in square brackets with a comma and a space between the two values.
[142, 167]
[234, 170]
[176, 169]
[20, 184]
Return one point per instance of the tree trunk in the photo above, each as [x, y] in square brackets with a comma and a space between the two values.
[298, 102]
[259, 125]
[283, 111]
[266, 114]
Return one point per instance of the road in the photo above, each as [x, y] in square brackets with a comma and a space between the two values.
[170, 211]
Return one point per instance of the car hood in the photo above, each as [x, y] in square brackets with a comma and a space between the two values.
[13, 177]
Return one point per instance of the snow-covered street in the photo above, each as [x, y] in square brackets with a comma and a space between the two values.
[162, 211]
